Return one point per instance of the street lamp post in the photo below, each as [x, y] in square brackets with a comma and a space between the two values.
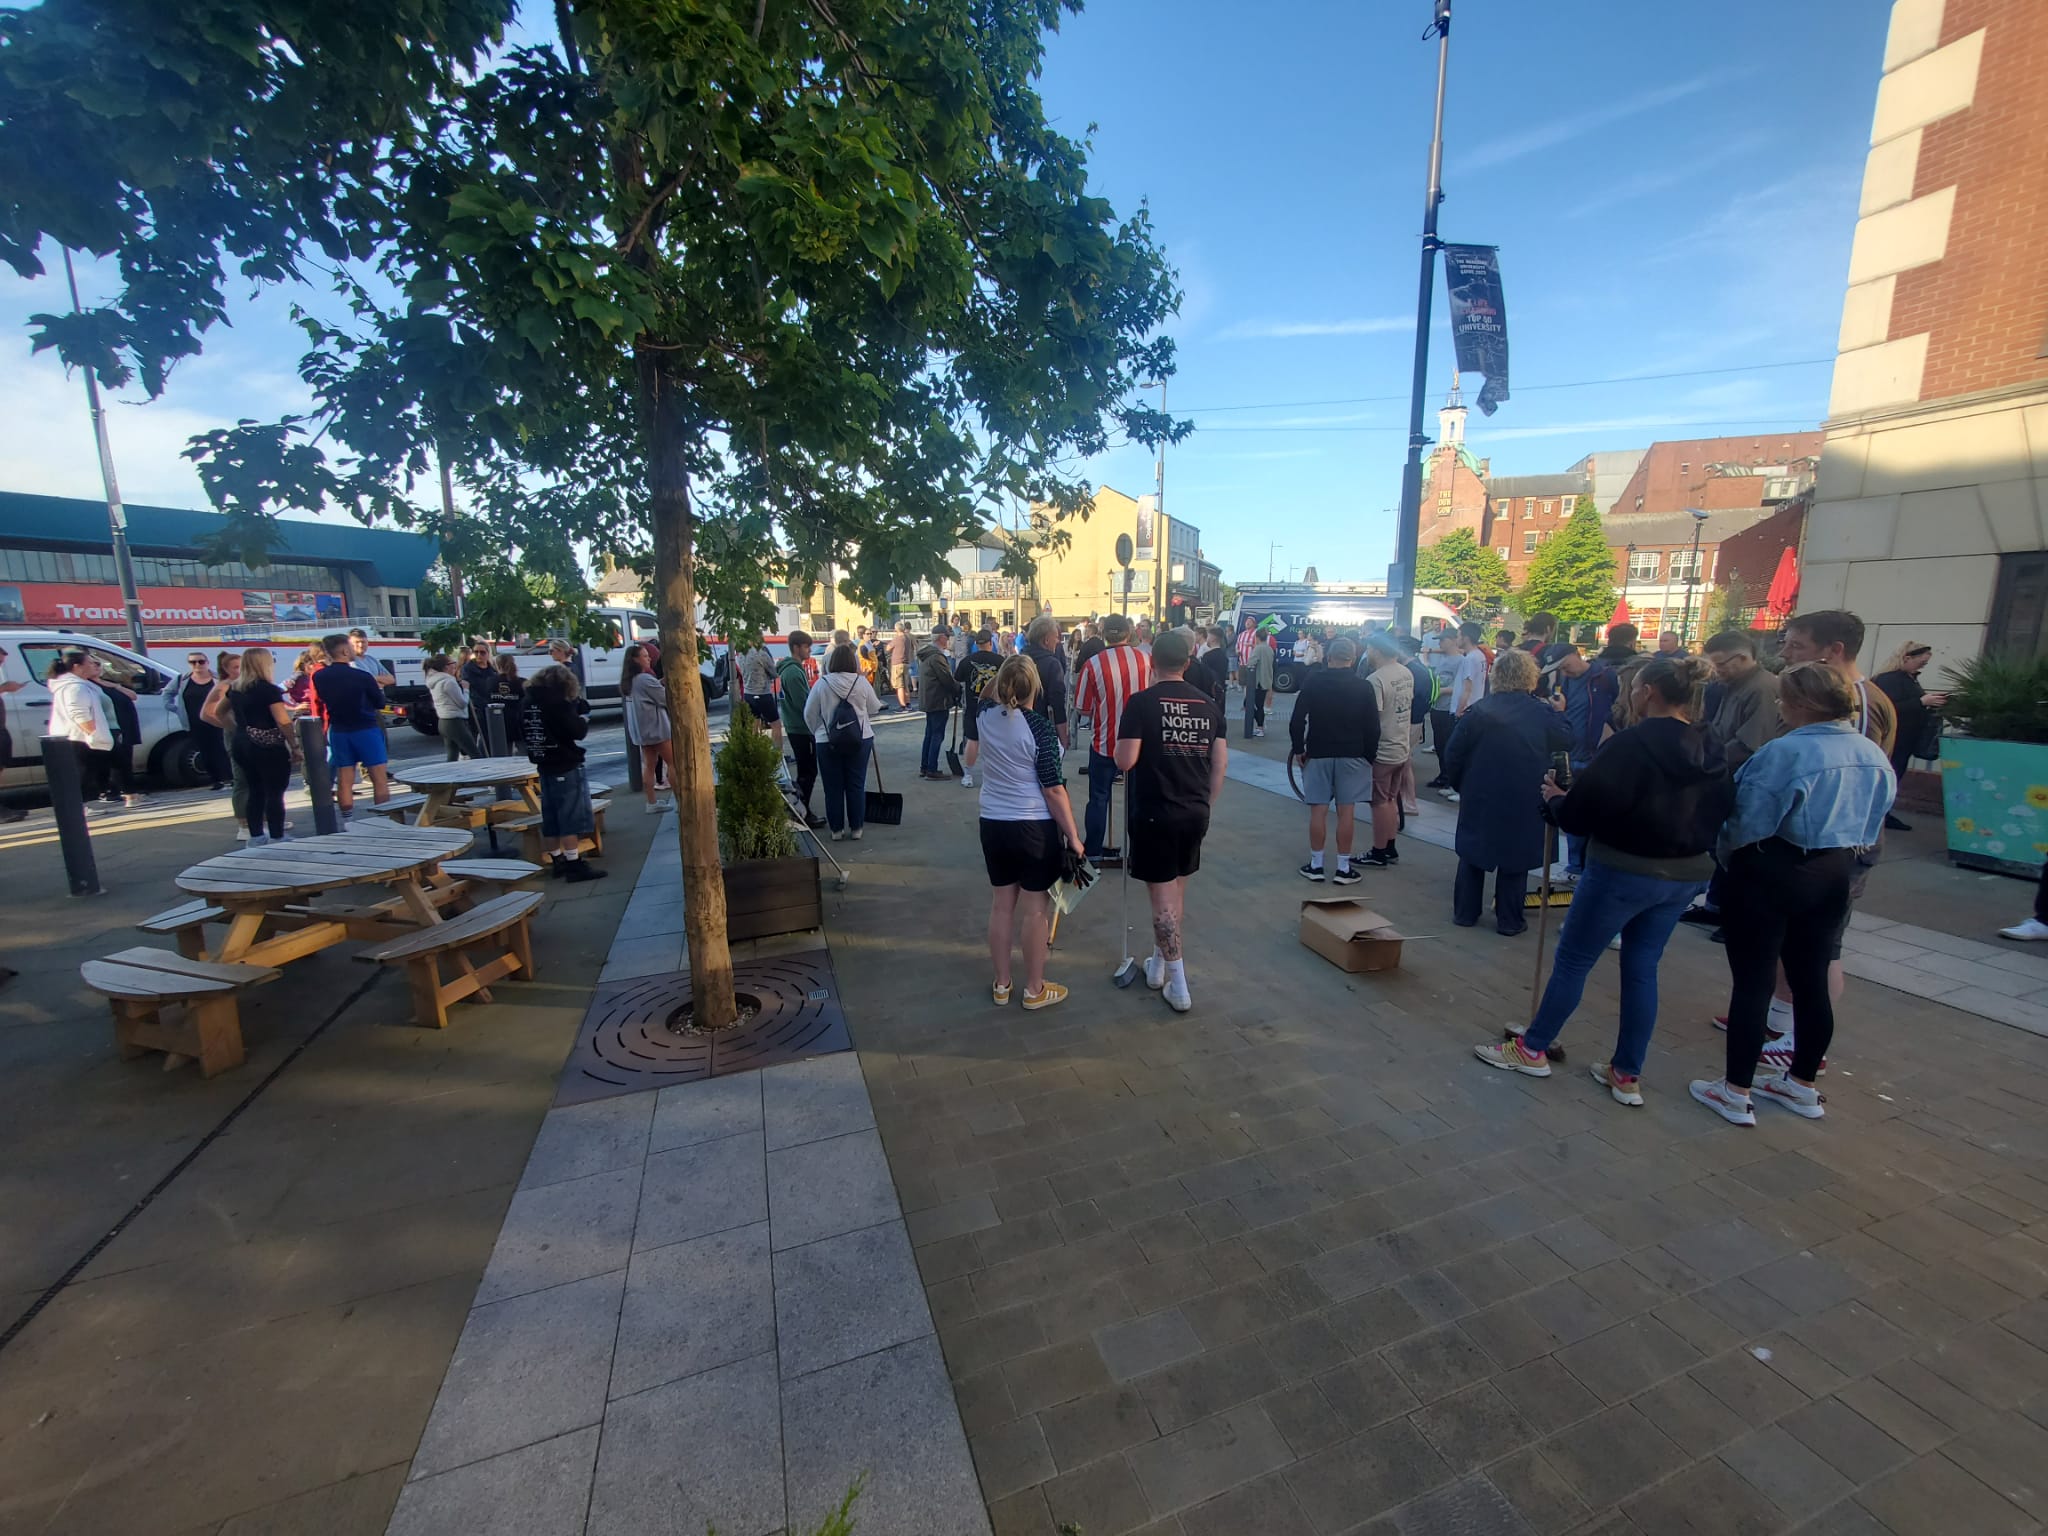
[1270, 548]
[1692, 576]
[1408, 537]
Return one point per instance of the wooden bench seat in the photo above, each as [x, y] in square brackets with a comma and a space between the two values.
[138, 983]
[528, 828]
[188, 924]
[397, 805]
[502, 924]
[516, 873]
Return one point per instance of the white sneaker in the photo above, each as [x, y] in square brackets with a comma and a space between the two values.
[260, 840]
[1176, 995]
[967, 780]
[241, 834]
[2032, 931]
[1733, 1108]
[132, 801]
[1450, 795]
[1155, 972]
[857, 833]
[1781, 1090]
[654, 810]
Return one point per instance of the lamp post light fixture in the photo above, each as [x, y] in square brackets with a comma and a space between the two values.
[1692, 575]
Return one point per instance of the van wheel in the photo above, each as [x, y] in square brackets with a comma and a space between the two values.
[1285, 680]
[421, 717]
[181, 763]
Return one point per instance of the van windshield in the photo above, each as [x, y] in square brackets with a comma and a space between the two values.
[132, 675]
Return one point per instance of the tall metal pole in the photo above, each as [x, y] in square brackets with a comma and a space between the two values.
[117, 519]
[1693, 580]
[1410, 536]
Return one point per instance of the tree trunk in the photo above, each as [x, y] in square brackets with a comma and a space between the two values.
[713, 1004]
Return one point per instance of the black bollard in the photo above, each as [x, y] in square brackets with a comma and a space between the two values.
[633, 779]
[319, 779]
[496, 739]
[62, 771]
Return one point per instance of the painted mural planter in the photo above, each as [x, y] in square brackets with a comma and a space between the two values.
[1995, 802]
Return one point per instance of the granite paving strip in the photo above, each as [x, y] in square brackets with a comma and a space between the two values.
[703, 1311]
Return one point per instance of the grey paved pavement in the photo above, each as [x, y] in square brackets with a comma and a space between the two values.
[1296, 1263]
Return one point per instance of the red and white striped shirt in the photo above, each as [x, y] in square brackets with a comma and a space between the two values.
[1107, 681]
[1246, 639]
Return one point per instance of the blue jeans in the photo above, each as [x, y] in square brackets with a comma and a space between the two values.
[934, 739]
[845, 777]
[1643, 910]
[1095, 820]
[1575, 847]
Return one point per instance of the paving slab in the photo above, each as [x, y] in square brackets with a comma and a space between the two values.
[700, 1454]
[694, 1305]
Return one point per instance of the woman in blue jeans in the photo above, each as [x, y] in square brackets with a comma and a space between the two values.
[1649, 805]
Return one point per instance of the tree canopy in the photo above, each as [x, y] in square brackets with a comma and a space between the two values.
[1459, 560]
[1572, 575]
[756, 287]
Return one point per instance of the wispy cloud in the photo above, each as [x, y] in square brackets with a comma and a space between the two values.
[1644, 183]
[1288, 330]
[1561, 130]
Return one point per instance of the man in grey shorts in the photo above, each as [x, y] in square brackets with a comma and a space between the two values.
[1335, 736]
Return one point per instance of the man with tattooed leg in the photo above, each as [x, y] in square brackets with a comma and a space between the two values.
[1170, 747]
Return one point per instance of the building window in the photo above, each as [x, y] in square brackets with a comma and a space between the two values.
[1643, 567]
[1528, 509]
[1685, 564]
[1685, 469]
[1529, 542]
[2019, 608]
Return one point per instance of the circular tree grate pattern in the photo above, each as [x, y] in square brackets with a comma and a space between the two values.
[627, 1043]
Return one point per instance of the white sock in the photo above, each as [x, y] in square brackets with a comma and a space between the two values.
[1343, 863]
[572, 854]
[1315, 858]
[1780, 1018]
[1176, 973]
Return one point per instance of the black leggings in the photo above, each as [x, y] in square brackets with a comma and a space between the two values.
[1782, 904]
[269, 770]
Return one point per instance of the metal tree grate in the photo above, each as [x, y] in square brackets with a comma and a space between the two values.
[626, 1044]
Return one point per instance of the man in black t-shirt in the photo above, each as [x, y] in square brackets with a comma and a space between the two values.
[1169, 743]
[977, 669]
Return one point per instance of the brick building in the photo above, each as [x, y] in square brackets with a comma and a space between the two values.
[1929, 516]
[1527, 510]
[1717, 473]
[1453, 480]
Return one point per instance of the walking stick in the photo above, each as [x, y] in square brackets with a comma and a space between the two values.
[1555, 1052]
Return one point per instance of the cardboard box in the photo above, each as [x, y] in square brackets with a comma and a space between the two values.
[1349, 934]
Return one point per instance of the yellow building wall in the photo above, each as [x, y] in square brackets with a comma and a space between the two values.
[1076, 583]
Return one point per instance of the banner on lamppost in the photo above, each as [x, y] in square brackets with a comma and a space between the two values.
[1479, 317]
[1148, 531]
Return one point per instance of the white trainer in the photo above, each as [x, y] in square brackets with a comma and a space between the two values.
[1176, 995]
[1732, 1107]
[1155, 972]
[1781, 1090]
[2032, 931]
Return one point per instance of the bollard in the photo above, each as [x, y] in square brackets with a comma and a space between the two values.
[633, 778]
[62, 770]
[319, 778]
[498, 743]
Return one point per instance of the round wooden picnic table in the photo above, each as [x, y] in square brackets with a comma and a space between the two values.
[443, 781]
[251, 883]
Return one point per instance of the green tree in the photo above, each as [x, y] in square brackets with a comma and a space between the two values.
[1459, 560]
[1728, 609]
[754, 287]
[1572, 575]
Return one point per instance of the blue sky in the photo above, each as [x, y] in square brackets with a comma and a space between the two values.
[1673, 189]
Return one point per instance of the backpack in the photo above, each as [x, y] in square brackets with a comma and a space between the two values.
[843, 733]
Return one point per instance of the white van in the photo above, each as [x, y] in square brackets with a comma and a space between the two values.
[166, 749]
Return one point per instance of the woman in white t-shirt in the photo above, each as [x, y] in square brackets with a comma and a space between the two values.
[842, 770]
[1027, 824]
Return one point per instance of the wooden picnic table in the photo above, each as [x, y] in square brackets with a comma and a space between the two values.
[264, 890]
[442, 782]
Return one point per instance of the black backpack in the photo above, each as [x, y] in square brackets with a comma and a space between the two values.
[843, 733]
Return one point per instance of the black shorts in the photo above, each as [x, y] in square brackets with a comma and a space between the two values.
[1162, 851]
[764, 707]
[1025, 853]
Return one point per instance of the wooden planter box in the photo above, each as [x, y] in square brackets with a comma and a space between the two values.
[1995, 802]
[767, 896]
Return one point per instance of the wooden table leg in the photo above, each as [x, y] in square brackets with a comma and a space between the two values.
[243, 932]
[428, 916]
[439, 798]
